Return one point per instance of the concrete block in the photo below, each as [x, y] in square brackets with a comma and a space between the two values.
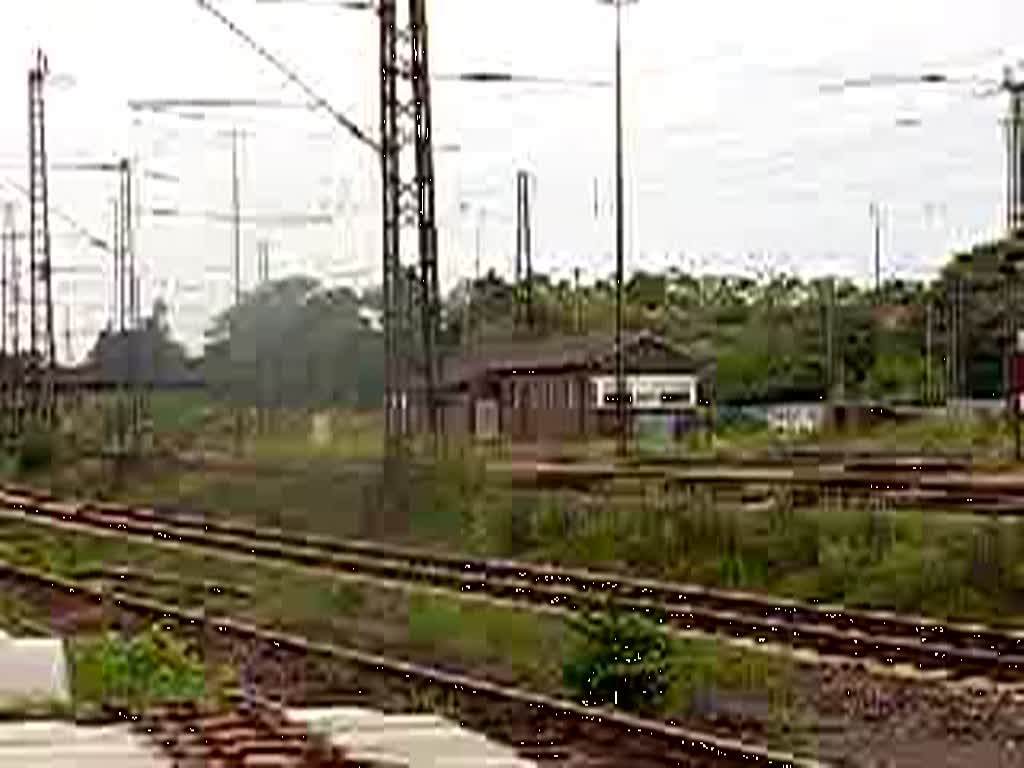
[65, 745]
[32, 668]
[416, 740]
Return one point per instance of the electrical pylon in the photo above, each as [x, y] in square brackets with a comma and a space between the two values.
[1015, 158]
[407, 170]
[12, 389]
[42, 348]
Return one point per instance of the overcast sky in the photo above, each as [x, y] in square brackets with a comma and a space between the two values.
[735, 159]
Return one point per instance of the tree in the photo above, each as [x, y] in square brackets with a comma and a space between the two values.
[293, 344]
[147, 354]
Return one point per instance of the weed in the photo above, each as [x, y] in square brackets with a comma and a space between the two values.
[136, 671]
[619, 658]
[38, 451]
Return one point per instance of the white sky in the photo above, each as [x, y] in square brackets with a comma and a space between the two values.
[735, 159]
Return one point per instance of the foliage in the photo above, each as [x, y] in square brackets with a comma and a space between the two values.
[38, 450]
[136, 671]
[619, 658]
[293, 344]
[147, 353]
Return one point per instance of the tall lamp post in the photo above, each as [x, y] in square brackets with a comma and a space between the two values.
[620, 237]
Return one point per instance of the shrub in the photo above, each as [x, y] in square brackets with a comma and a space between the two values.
[38, 450]
[619, 658]
[136, 671]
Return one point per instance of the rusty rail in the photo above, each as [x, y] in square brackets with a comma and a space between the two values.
[830, 631]
[665, 743]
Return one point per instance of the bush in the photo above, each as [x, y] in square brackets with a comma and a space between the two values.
[619, 658]
[38, 450]
[137, 671]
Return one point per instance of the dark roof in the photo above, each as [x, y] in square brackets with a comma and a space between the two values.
[559, 353]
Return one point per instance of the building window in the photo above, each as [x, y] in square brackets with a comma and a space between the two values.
[569, 400]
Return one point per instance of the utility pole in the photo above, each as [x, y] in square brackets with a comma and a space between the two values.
[876, 220]
[620, 238]
[263, 261]
[579, 301]
[7, 242]
[67, 334]
[524, 251]
[130, 339]
[16, 392]
[620, 241]
[929, 393]
[830, 337]
[236, 239]
[1015, 159]
[476, 321]
[236, 219]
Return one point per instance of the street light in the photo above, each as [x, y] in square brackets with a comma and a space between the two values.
[620, 371]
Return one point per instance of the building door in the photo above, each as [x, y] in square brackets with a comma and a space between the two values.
[486, 421]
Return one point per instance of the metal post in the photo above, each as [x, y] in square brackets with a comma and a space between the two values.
[476, 320]
[408, 200]
[3, 293]
[876, 216]
[929, 394]
[528, 250]
[236, 223]
[620, 370]
[519, 249]
[579, 301]
[43, 347]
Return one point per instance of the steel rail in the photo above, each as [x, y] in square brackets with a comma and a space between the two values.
[675, 739]
[956, 650]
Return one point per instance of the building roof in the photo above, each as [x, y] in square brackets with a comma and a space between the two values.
[644, 350]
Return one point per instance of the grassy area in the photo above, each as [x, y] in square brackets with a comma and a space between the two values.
[942, 565]
[946, 566]
[135, 672]
[519, 647]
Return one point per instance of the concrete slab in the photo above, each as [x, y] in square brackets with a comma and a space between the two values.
[32, 668]
[416, 740]
[65, 745]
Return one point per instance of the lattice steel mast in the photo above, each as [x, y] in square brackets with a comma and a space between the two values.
[12, 389]
[406, 127]
[1015, 157]
[42, 348]
[407, 196]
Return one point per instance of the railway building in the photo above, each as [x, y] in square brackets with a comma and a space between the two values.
[563, 389]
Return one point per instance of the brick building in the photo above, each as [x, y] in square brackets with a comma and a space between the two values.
[564, 388]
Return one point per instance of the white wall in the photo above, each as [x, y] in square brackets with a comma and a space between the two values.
[647, 390]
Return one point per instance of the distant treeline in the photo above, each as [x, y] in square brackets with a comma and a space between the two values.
[293, 343]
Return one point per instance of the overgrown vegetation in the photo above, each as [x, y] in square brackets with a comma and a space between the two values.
[619, 658]
[137, 671]
[38, 450]
[942, 565]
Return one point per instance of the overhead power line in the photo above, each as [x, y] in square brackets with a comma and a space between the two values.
[160, 105]
[318, 101]
[93, 240]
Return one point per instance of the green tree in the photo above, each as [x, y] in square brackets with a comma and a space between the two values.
[293, 344]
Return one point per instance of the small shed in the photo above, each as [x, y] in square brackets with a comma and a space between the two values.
[564, 388]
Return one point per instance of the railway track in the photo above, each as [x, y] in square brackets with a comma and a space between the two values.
[955, 651]
[573, 735]
[899, 480]
[909, 483]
